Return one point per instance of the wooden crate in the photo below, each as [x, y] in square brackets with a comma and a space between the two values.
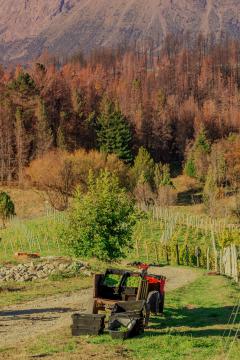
[87, 324]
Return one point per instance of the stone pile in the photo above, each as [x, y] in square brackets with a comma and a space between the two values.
[42, 269]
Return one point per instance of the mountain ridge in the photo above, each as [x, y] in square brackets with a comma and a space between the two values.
[27, 27]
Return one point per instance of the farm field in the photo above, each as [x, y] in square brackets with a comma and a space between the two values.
[195, 326]
[35, 316]
[42, 235]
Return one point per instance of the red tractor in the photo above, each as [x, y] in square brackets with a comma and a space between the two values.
[127, 289]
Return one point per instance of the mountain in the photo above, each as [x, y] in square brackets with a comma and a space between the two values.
[27, 27]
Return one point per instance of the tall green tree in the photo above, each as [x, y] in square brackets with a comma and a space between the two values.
[162, 175]
[23, 84]
[198, 156]
[143, 168]
[113, 133]
[101, 221]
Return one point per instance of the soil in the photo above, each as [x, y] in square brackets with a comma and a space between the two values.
[19, 323]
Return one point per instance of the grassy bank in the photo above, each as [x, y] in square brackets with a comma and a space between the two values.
[15, 293]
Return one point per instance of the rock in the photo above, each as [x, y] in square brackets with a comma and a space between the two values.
[63, 267]
[42, 270]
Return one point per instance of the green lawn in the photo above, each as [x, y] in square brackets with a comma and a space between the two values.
[195, 320]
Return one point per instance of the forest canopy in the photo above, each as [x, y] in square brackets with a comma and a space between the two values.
[120, 101]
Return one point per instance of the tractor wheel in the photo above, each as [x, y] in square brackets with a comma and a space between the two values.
[161, 304]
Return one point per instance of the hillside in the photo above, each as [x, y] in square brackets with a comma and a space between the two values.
[27, 27]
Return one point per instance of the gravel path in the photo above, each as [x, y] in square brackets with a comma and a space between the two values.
[21, 322]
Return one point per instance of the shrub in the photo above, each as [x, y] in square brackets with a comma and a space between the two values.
[58, 173]
[166, 196]
[190, 168]
[211, 194]
[7, 207]
[101, 221]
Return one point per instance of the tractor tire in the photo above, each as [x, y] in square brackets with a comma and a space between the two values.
[161, 304]
[153, 301]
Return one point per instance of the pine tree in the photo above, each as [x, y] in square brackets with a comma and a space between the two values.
[113, 132]
[44, 137]
[198, 157]
[162, 176]
[143, 168]
[202, 143]
[190, 168]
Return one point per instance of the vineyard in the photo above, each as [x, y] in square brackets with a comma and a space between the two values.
[38, 235]
[164, 236]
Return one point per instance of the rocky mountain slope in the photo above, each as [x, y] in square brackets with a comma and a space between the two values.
[65, 26]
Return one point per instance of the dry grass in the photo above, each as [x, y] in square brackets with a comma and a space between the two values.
[28, 202]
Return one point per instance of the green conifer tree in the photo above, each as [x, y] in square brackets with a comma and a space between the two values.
[113, 133]
[198, 157]
[143, 168]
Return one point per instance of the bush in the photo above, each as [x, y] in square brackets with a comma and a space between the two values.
[101, 221]
[58, 173]
[166, 196]
[190, 168]
[7, 207]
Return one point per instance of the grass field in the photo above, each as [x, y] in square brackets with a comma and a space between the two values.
[38, 235]
[16, 293]
[195, 320]
[195, 327]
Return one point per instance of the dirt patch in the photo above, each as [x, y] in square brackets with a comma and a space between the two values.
[176, 276]
[19, 323]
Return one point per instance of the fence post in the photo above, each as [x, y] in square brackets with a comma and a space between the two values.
[137, 247]
[177, 253]
[156, 252]
[228, 271]
[208, 260]
[167, 257]
[214, 248]
[147, 253]
[234, 263]
[221, 262]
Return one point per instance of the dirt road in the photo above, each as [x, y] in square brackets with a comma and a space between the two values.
[21, 322]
